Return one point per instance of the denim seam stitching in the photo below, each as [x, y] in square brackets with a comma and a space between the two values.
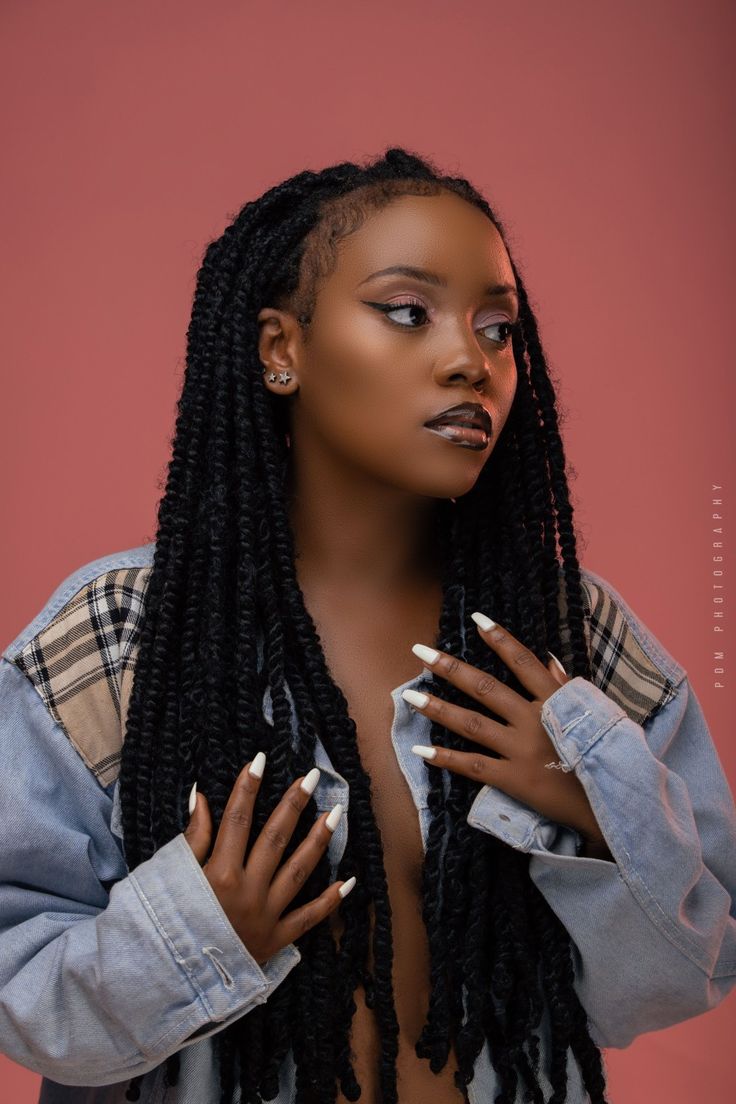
[172, 946]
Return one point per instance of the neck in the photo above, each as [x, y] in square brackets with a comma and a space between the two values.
[353, 533]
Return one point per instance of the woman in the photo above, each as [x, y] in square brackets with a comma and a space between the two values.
[515, 860]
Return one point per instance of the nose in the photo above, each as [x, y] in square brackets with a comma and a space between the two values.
[463, 362]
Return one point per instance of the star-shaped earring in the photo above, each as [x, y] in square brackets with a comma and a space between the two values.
[272, 377]
[284, 377]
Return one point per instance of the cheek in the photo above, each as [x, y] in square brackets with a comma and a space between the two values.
[356, 377]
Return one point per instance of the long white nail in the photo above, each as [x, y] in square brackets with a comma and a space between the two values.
[310, 780]
[347, 886]
[425, 752]
[415, 697]
[483, 622]
[429, 655]
[554, 657]
[334, 818]
[192, 798]
[258, 765]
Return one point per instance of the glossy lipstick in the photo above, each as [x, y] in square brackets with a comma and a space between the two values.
[466, 424]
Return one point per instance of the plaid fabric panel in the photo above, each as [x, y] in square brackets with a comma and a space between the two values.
[621, 668]
[82, 663]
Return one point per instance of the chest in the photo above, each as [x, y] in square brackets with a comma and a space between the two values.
[368, 652]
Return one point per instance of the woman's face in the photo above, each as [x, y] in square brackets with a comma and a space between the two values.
[387, 353]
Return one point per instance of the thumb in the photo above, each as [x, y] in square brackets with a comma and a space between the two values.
[555, 668]
[198, 832]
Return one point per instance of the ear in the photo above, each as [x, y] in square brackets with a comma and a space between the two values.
[278, 349]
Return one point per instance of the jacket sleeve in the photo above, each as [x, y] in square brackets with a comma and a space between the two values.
[653, 932]
[103, 973]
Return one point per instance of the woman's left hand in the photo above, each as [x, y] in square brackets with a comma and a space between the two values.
[522, 742]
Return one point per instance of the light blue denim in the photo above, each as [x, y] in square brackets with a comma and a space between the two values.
[105, 973]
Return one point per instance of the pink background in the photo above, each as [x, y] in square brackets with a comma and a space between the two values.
[600, 133]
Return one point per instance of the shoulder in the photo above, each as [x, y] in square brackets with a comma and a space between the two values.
[79, 653]
[628, 662]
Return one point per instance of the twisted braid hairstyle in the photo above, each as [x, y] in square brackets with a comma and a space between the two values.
[223, 572]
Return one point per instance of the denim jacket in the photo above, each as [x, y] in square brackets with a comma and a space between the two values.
[104, 973]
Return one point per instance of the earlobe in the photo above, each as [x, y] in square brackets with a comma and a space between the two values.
[274, 351]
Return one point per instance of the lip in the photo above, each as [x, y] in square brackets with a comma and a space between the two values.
[467, 415]
[468, 437]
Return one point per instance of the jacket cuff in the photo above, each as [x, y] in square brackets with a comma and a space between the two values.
[188, 917]
[574, 717]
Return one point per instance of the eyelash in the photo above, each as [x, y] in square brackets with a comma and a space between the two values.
[389, 308]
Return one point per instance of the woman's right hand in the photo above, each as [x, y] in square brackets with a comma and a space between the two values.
[252, 898]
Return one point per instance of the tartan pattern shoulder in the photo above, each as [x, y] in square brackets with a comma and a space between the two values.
[82, 662]
[627, 662]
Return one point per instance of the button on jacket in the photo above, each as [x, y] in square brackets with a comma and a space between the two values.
[104, 973]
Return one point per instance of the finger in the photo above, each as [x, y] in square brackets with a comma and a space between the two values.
[466, 722]
[557, 670]
[495, 695]
[268, 849]
[234, 830]
[198, 832]
[480, 768]
[294, 873]
[306, 916]
[529, 670]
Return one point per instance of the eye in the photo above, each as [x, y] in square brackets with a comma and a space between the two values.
[394, 308]
[509, 328]
[410, 305]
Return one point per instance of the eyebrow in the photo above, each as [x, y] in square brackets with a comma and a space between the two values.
[437, 281]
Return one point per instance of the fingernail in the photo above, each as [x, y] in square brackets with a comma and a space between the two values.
[483, 622]
[334, 818]
[415, 697]
[429, 655]
[554, 657]
[347, 886]
[192, 798]
[309, 782]
[425, 752]
[258, 765]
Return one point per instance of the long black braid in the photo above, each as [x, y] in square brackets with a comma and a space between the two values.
[223, 572]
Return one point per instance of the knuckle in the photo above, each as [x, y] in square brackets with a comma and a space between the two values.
[477, 766]
[297, 872]
[275, 837]
[226, 881]
[486, 685]
[307, 919]
[473, 724]
[523, 657]
[241, 818]
[452, 665]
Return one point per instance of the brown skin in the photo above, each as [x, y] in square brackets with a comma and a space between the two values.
[254, 895]
[365, 474]
[366, 469]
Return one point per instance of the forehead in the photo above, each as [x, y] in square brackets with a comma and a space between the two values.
[443, 232]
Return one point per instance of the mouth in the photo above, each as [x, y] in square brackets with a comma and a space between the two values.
[467, 424]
